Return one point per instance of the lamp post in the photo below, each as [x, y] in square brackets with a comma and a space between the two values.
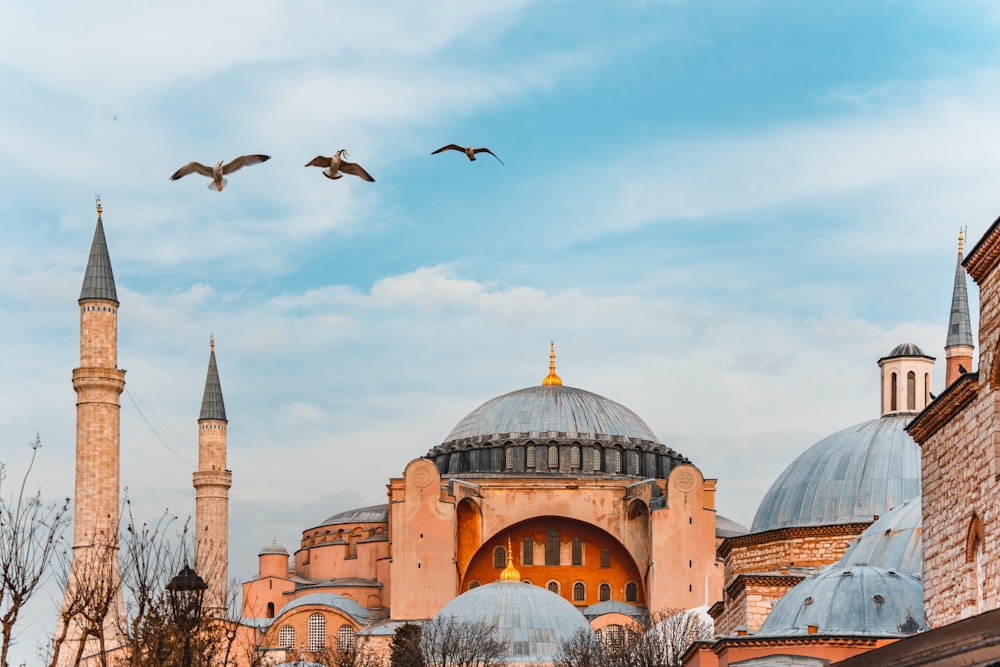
[186, 591]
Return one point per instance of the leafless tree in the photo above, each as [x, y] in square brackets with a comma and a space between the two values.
[657, 641]
[360, 652]
[675, 630]
[583, 649]
[30, 532]
[449, 642]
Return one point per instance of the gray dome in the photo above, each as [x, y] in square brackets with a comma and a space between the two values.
[538, 411]
[534, 620]
[370, 514]
[273, 548]
[892, 543]
[848, 477]
[905, 350]
[856, 600]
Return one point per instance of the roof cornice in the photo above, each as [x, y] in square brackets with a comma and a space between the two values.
[985, 254]
[778, 534]
[951, 401]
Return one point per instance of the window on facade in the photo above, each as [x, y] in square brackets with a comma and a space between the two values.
[528, 552]
[911, 391]
[577, 551]
[554, 586]
[616, 461]
[579, 592]
[553, 457]
[345, 639]
[631, 592]
[474, 584]
[927, 388]
[529, 456]
[613, 637]
[270, 610]
[552, 546]
[574, 457]
[604, 593]
[508, 458]
[605, 558]
[286, 637]
[892, 393]
[316, 627]
[500, 558]
[979, 563]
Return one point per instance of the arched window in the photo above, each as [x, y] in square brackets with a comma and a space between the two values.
[529, 457]
[554, 586]
[892, 393]
[270, 610]
[631, 592]
[552, 546]
[508, 458]
[616, 461]
[474, 584]
[574, 457]
[605, 558]
[528, 552]
[979, 563]
[286, 637]
[316, 627]
[927, 388]
[604, 593]
[911, 391]
[553, 457]
[500, 558]
[579, 592]
[345, 639]
[612, 636]
[577, 551]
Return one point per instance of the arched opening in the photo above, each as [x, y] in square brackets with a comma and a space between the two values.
[528, 551]
[579, 592]
[604, 592]
[553, 586]
[911, 391]
[345, 639]
[631, 592]
[552, 546]
[316, 628]
[500, 558]
[892, 393]
[270, 610]
[286, 637]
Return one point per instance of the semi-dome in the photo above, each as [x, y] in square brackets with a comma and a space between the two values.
[892, 543]
[856, 600]
[852, 476]
[534, 621]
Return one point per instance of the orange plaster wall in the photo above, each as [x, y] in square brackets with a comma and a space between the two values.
[834, 650]
[257, 593]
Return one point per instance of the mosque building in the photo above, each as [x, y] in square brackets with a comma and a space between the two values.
[558, 499]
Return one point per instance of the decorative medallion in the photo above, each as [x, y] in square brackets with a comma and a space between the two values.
[685, 480]
[422, 475]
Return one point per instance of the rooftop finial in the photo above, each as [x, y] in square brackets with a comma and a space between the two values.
[552, 378]
[961, 237]
[510, 573]
[211, 341]
[99, 209]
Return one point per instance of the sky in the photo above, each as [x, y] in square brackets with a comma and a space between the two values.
[721, 213]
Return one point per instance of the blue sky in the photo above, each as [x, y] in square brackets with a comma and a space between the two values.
[723, 213]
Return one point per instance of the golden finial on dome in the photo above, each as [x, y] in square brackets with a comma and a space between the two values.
[99, 209]
[510, 573]
[552, 378]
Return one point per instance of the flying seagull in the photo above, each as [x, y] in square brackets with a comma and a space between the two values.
[216, 172]
[335, 167]
[469, 151]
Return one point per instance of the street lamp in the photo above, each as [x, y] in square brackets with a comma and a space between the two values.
[186, 591]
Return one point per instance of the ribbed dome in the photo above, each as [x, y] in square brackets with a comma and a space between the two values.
[905, 350]
[534, 621]
[892, 543]
[851, 476]
[551, 408]
[370, 514]
[273, 548]
[866, 601]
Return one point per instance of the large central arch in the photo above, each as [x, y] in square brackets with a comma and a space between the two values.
[580, 561]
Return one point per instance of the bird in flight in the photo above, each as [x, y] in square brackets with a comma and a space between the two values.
[469, 151]
[335, 167]
[216, 173]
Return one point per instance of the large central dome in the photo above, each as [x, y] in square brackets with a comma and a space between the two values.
[539, 411]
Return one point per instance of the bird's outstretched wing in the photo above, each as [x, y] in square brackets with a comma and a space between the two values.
[487, 150]
[355, 170]
[319, 161]
[192, 168]
[243, 161]
[449, 147]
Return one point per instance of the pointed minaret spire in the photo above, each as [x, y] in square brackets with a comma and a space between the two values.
[98, 280]
[212, 405]
[552, 378]
[959, 343]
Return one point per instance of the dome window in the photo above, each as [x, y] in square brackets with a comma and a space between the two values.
[316, 627]
[579, 592]
[528, 552]
[577, 551]
[911, 391]
[270, 610]
[574, 457]
[500, 558]
[529, 457]
[554, 587]
[605, 558]
[345, 639]
[553, 457]
[631, 592]
[604, 593]
[286, 637]
[552, 546]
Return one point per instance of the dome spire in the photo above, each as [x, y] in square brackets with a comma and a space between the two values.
[959, 344]
[510, 573]
[552, 378]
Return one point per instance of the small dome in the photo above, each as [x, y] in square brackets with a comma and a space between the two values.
[892, 543]
[856, 600]
[273, 548]
[533, 620]
[370, 514]
[904, 350]
[551, 408]
[852, 476]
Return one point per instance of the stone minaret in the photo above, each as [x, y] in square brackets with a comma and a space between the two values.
[959, 344]
[98, 383]
[211, 493]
